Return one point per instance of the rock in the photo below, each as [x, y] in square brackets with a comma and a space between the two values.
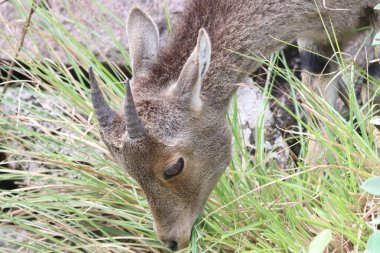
[251, 105]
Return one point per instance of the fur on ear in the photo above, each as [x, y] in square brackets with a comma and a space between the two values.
[143, 40]
[189, 82]
[204, 51]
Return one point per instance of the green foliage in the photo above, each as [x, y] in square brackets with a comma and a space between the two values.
[168, 16]
[376, 40]
[320, 242]
[372, 185]
[76, 199]
[373, 245]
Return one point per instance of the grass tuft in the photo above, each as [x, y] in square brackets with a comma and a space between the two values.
[73, 198]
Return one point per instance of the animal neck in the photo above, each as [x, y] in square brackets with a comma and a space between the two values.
[232, 28]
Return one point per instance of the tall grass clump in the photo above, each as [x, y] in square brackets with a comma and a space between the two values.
[73, 198]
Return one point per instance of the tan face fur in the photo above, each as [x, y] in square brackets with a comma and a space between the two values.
[167, 130]
[175, 202]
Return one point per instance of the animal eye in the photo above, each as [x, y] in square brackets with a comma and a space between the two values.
[174, 169]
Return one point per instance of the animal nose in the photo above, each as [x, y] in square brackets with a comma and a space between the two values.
[173, 245]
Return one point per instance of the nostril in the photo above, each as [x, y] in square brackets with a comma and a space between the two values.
[172, 245]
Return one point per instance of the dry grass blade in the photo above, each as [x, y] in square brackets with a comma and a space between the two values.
[72, 197]
[22, 39]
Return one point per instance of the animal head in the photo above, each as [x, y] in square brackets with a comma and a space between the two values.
[168, 138]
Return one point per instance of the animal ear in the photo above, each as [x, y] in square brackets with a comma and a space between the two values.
[143, 40]
[189, 82]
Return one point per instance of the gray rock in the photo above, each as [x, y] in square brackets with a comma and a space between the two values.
[251, 106]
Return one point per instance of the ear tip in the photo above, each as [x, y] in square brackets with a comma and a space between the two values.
[203, 35]
[137, 14]
[134, 10]
[203, 31]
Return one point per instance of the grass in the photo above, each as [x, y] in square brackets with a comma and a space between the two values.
[73, 198]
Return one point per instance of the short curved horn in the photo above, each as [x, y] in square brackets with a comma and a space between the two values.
[104, 113]
[135, 126]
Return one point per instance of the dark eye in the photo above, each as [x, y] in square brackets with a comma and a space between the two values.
[174, 169]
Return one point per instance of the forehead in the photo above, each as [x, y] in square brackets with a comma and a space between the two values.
[146, 156]
[162, 118]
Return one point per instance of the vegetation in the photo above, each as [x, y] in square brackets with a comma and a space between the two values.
[77, 200]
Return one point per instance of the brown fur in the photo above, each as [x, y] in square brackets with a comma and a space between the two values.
[180, 122]
[247, 27]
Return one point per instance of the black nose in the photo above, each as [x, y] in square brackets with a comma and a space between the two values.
[172, 245]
